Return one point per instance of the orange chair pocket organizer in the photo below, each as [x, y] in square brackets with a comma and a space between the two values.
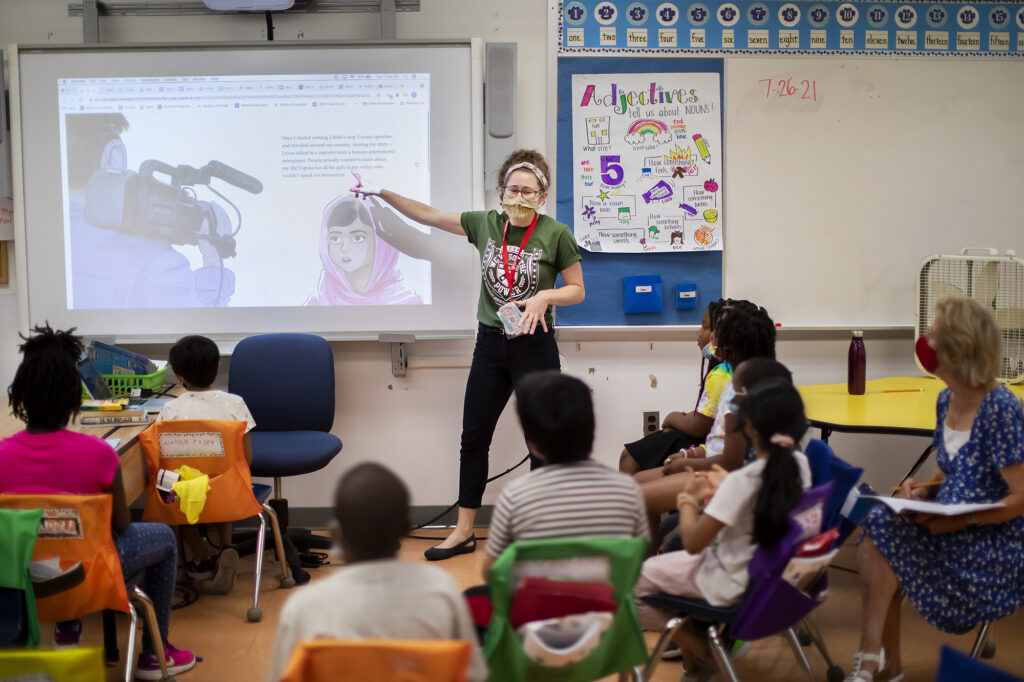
[210, 446]
[76, 528]
[380, 660]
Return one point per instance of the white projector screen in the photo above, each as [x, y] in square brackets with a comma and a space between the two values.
[164, 190]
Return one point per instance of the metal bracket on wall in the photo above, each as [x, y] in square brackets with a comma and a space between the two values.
[90, 21]
[399, 354]
[185, 7]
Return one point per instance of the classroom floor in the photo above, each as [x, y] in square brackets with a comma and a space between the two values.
[234, 649]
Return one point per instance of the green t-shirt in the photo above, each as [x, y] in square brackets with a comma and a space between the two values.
[551, 249]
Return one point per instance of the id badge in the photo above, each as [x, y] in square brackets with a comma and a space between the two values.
[511, 318]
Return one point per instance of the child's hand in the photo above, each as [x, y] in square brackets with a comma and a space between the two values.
[696, 485]
[675, 463]
[714, 476]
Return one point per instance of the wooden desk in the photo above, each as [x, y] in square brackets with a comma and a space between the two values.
[908, 408]
[133, 463]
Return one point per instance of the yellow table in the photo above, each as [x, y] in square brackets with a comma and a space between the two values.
[896, 405]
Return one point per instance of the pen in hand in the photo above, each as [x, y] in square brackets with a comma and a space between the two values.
[915, 486]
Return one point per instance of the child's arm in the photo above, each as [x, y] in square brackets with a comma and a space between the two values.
[730, 459]
[692, 424]
[120, 517]
[697, 531]
[247, 449]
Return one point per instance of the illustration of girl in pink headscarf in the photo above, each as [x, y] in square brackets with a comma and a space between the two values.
[359, 268]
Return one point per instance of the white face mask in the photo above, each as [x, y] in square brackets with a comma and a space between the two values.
[518, 208]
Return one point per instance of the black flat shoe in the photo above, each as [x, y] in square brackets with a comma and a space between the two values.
[467, 546]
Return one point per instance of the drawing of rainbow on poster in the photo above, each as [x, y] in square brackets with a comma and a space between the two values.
[647, 150]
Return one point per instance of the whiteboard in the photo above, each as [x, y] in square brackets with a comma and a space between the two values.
[838, 191]
[278, 241]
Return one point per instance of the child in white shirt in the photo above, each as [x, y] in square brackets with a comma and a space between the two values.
[195, 361]
[724, 517]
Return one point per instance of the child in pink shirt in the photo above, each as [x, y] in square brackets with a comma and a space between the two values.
[47, 458]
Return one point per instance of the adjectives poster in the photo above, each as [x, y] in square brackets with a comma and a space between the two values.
[647, 154]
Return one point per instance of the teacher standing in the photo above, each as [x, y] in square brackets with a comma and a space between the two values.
[521, 253]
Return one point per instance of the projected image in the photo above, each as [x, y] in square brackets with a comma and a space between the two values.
[210, 191]
[359, 266]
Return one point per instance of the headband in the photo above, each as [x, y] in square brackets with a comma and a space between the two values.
[529, 166]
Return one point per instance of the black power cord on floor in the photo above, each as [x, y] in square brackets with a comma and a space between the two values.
[456, 503]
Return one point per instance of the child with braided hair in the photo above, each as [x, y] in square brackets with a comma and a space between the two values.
[47, 458]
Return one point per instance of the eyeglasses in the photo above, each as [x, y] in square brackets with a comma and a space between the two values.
[524, 192]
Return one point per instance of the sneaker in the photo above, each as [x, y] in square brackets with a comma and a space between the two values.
[671, 652]
[67, 634]
[224, 578]
[178, 661]
[738, 650]
[201, 570]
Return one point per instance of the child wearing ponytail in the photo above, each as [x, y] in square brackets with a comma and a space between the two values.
[724, 517]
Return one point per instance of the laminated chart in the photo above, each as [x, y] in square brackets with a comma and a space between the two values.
[647, 162]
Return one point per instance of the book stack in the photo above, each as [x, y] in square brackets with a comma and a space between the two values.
[114, 418]
[104, 405]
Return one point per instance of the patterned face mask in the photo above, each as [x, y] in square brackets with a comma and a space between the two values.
[518, 208]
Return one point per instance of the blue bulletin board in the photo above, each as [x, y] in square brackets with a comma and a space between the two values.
[603, 273]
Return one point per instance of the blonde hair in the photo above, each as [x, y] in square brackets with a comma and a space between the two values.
[968, 340]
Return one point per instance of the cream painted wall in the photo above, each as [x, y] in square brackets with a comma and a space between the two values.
[413, 423]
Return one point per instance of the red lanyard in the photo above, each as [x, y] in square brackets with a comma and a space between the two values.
[510, 275]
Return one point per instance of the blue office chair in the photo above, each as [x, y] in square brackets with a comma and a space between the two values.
[287, 382]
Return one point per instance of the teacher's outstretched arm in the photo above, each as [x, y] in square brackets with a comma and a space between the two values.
[449, 221]
[570, 293]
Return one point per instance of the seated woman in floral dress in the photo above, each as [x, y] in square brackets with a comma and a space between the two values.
[959, 571]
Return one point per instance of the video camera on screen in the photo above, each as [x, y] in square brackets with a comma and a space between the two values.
[140, 204]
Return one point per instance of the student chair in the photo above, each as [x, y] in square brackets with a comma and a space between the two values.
[216, 449]
[71, 665]
[76, 528]
[841, 511]
[287, 382]
[955, 666]
[771, 604]
[19, 625]
[614, 561]
[384, 660]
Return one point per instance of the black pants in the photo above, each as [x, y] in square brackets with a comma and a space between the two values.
[498, 363]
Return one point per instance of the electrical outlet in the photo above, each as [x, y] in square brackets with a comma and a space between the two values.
[652, 422]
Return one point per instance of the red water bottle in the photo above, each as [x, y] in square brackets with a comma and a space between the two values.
[856, 365]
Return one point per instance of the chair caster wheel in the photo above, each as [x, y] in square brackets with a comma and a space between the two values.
[254, 614]
[988, 650]
[804, 637]
[288, 583]
[835, 674]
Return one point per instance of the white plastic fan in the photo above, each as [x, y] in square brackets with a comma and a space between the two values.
[994, 281]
